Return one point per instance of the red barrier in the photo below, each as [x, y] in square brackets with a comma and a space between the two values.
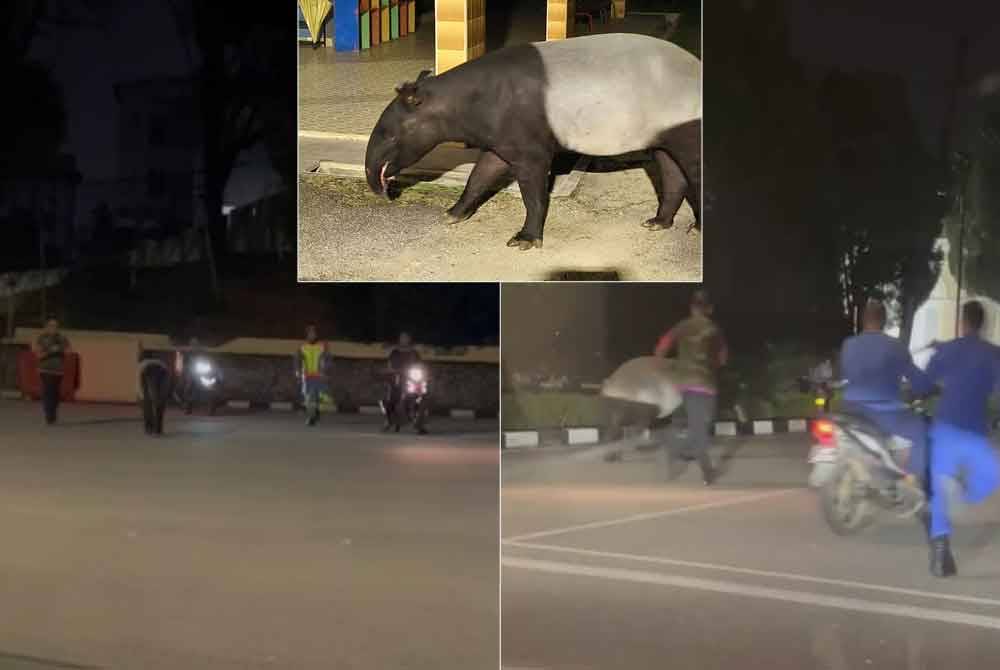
[29, 381]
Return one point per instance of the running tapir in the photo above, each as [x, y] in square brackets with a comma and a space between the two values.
[599, 95]
[648, 380]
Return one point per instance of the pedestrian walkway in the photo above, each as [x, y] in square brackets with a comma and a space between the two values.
[345, 92]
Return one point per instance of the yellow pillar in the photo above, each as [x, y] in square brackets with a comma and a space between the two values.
[559, 19]
[618, 9]
[459, 32]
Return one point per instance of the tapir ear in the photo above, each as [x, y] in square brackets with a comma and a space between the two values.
[423, 73]
[409, 94]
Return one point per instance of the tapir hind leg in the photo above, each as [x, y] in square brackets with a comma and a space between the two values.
[673, 187]
[533, 180]
[486, 173]
[683, 143]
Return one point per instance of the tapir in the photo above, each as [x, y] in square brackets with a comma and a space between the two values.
[647, 380]
[598, 95]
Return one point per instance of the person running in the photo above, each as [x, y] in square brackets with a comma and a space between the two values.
[701, 350]
[51, 347]
[967, 370]
[155, 382]
[312, 365]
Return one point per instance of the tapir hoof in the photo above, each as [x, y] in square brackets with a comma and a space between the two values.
[451, 217]
[658, 224]
[524, 243]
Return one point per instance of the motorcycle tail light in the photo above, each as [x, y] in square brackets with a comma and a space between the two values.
[823, 431]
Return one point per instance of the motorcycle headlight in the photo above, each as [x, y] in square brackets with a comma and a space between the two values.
[203, 367]
[208, 381]
[416, 374]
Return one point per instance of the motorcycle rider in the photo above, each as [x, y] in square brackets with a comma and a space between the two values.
[312, 362]
[701, 350]
[967, 370]
[874, 365]
[402, 356]
[186, 361]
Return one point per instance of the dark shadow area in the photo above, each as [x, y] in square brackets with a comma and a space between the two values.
[584, 275]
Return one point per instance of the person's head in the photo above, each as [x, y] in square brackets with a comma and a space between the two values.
[405, 340]
[874, 316]
[973, 318]
[311, 333]
[52, 325]
[701, 304]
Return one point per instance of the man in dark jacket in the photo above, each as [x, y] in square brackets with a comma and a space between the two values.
[155, 386]
[701, 350]
[51, 347]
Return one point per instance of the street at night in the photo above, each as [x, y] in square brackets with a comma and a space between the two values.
[606, 565]
[246, 540]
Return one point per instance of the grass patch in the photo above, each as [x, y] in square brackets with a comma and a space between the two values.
[355, 192]
[537, 410]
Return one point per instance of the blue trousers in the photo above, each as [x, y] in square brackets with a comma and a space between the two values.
[312, 387]
[957, 452]
[905, 424]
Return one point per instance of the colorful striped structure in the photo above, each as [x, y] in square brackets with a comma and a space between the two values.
[460, 32]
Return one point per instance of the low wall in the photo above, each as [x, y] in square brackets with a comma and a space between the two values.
[261, 371]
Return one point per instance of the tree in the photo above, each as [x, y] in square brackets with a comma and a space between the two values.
[879, 199]
[766, 257]
[241, 56]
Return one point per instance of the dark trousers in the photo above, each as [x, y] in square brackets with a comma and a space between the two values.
[50, 396]
[155, 391]
[700, 409]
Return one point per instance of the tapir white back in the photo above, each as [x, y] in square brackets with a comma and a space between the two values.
[615, 93]
[648, 380]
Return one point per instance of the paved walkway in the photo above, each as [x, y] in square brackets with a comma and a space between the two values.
[346, 92]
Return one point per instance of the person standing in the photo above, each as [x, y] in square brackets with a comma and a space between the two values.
[312, 362]
[701, 350]
[967, 370]
[155, 382]
[51, 347]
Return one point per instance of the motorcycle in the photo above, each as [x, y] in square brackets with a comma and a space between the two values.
[854, 469]
[205, 382]
[411, 406]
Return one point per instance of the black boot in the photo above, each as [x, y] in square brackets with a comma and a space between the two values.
[942, 560]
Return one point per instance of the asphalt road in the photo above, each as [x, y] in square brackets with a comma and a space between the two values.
[607, 566]
[246, 541]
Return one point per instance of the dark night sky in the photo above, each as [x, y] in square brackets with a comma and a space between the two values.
[139, 41]
[916, 39]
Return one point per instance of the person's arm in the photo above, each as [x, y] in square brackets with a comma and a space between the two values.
[723, 350]
[66, 346]
[920, 382]
[664, 344]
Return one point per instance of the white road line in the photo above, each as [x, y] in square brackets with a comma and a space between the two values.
[784, 595]
[791, 576]
[650, 515]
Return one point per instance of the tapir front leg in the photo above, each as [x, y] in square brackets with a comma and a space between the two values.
[533, 180]
[673, 187]
[487, 172]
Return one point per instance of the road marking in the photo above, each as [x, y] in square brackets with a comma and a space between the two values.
[791, 576]
[650, 515]
[733, 588]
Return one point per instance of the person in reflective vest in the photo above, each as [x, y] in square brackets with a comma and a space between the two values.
[312, 363]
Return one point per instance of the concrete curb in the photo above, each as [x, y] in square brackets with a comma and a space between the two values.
[9, 394]
[581, 435]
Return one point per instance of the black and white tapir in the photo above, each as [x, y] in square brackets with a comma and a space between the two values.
[599, 95]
